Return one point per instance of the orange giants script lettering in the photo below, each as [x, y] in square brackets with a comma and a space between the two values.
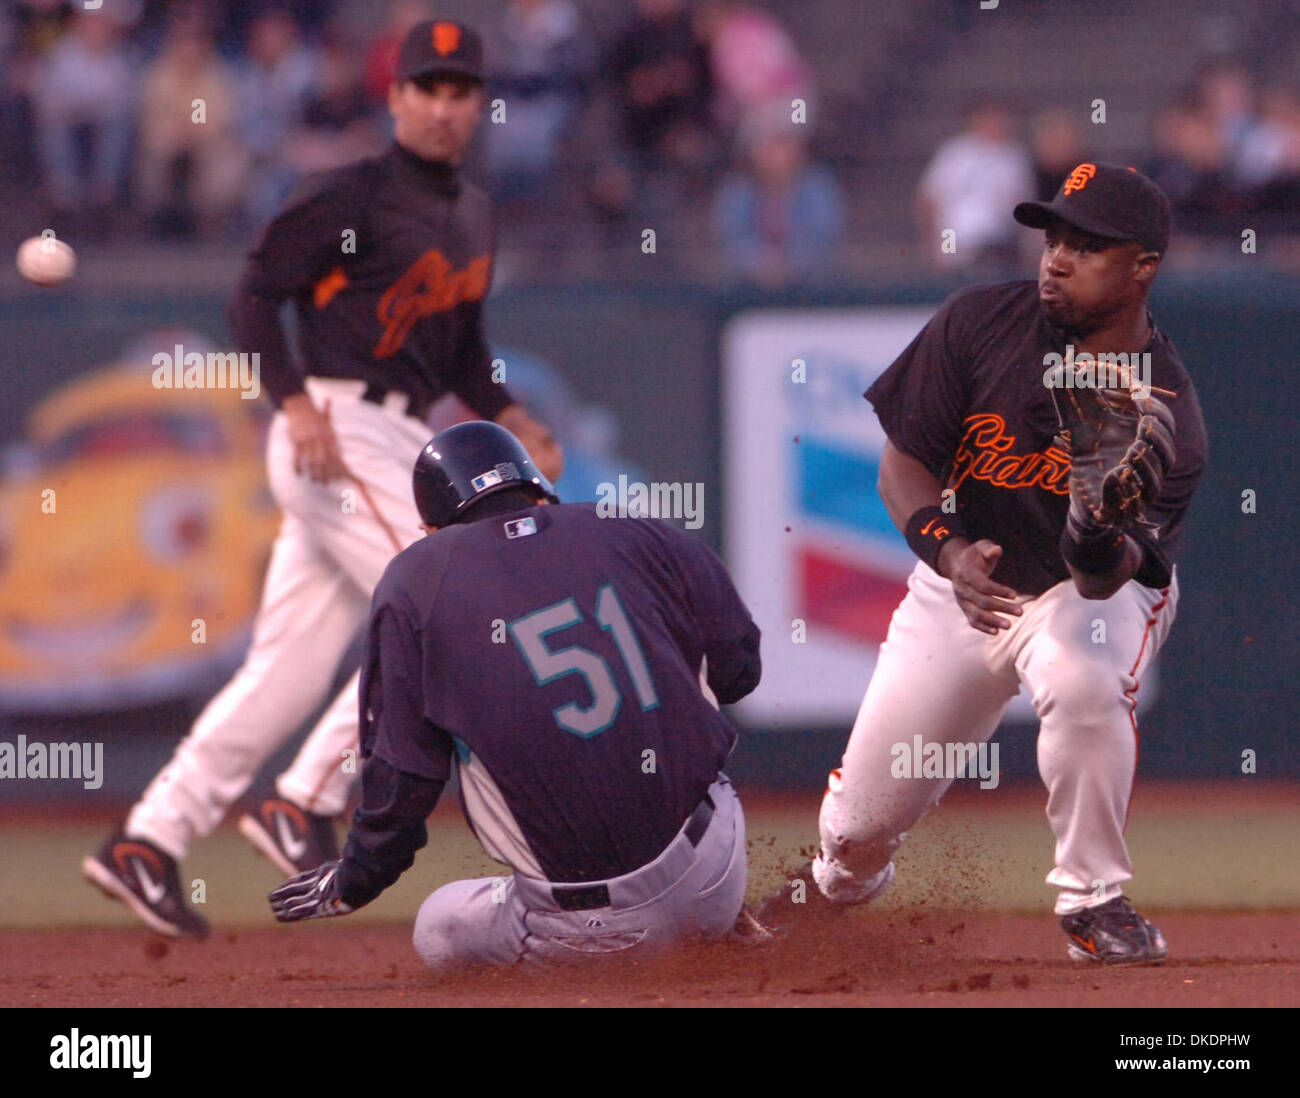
[982, 454]
[430, 285]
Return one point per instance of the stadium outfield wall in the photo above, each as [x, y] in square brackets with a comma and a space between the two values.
[661, 363]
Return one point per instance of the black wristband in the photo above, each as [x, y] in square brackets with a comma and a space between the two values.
[928, 529]
[1093, 550]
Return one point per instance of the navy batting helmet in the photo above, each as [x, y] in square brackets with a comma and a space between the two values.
[467, 462]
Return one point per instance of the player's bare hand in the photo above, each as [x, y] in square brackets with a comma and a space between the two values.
[968, 567]
[546, 453]
[315, 445]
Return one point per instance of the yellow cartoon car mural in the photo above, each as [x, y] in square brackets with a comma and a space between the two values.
[135, 525]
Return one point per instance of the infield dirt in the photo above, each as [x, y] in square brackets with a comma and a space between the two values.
[939, 959]
[969, 922]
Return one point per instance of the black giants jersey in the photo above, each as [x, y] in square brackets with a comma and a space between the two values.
[569, 663]
[968, 400]
[387, 262]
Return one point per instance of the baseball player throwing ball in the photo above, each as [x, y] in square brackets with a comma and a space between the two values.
[1044, 441]
[387, 262]
[571, 666]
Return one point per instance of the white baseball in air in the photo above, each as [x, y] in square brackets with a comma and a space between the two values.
[46, 261]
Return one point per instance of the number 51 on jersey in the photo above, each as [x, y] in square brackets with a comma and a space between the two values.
[547, 664]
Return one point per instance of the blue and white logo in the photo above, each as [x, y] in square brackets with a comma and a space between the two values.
[520, 528]
[497, 475]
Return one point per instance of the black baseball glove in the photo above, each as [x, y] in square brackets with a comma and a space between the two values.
[1121, 446]
[310, 895]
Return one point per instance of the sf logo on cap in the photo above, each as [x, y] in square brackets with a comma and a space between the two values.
[1079, 177]
[446, 38]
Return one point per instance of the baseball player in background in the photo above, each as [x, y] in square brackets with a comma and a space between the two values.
[1020, 583]
[387, 263]
[571, 666]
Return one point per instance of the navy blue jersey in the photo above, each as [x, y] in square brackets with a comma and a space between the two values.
[570, 664]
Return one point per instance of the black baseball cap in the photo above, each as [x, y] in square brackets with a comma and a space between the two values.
[1106, 200]
[438, 46]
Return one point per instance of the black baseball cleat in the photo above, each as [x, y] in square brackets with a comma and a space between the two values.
[1113, 934]
[148, 881]
[295, 840]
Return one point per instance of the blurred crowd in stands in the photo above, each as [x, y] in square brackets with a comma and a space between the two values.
[1227, 154]
[192, 119]
[196, 119]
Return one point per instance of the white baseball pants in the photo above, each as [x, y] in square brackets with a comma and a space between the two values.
[687, 892]
[334, 543]
[941, 679]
